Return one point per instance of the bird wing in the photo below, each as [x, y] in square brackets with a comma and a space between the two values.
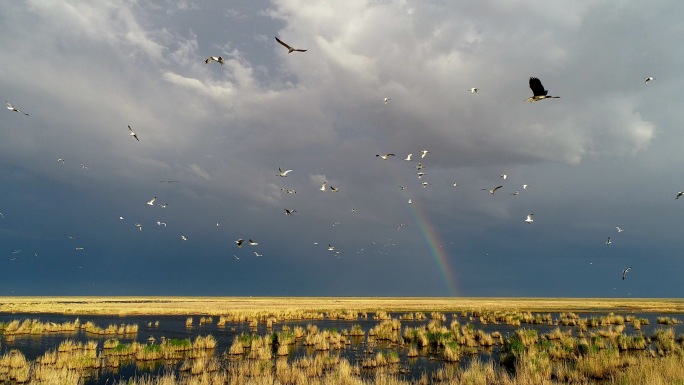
[283, 43]
[300, 50]
[496, 188]
[537, 87]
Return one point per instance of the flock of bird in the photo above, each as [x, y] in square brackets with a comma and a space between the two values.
[538, 93]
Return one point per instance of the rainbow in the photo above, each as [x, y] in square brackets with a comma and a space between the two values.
[432, 241]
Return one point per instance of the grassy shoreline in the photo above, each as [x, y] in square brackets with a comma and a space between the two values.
[149, 305]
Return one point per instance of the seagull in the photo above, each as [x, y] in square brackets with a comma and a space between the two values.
[529, 218]
[473, 90]
[538, 91]
[455, 184]
[2, 216]
[258, 255]
[218, 59]
[420, 174]
[646, 80]
[680, 193]
[334, 189]
[72, 237]
[16, 251]
[402, 188]
[408, 157]
[425, 184]
[608, 242]
[386, 100]
[289, 49]
[283, 173]
[12, 259]
[288, 191]
[159, 223]
[168, 181]
[151, 202]
[624, 272]
[121, 218]
[217, 224]
[401, 225]
[83, 166]
[239, 242]
[79, 248]
[139, 226]
[183, 237]
[133, 133]
[423, 153]
[385, 156]
[420, 166]
[163, 205]
[516, 192]
[492, 191]
[60, 160]
[290, 212]
[331, 247]
[524, 186]
[236, 257]
[11, 108]
[253, 243]
[323, 186]
[410, 200]
[503, 176]
[619, 230]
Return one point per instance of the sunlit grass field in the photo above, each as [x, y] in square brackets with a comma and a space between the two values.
[223, 305]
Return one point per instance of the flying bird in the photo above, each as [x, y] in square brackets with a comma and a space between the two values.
[516, 192]
[323, 186]
[473, 90]
[503, 176]
[538, 91]
[290, 212]
[524, 186]
[79, 248]
[218, 59]
[253, 243]
[386, 100]
[288, 191]
[529, 218]
[402, 188]
[151, 202]
[425, 184]
[258, 255]
[133, 133]
[608, 242]
[183, 237]
[12, 108]
[159, 223]
[492, 191]
[646, 80]
[401, 225]
[423, 153]
[139, 226]
[680, 193]
[625, 271]
[331, 247]
[619, 230]
[385, 156]
[283, 173]
[163, 205]
[60, 160]
[408, 157]
[420, 166]
[83, 166]
[334, 189]
[289, 49]
[420, 174]
[239, 242]
[168, 181]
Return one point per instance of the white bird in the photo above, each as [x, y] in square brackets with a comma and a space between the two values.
[163, 205]
[619, 230]
[60, 160]
[529, 218]
[516, 192]
[385, 156]
[503, 176]
[410, 200]
[217, 224]
[83, 166]
[288, 191]
[133, 133]
[323, 186]
[151, 202]
[167, 181]
[386, 100]
[121, 218]
[524, 186]
[492, 191]
[334, 189]
[11, 108]
[183, 237]
[331, 247]
[289, 48]
[408, 157]
[2, 216]
[648, 79]
[218, 59]
[290, 211]
[680, 193]
[455, 184]
[420, 166]
[283, 173]
[625, 271]
[420, 174]
[402, 188]
[236, 257]
[258, 255]
[253, 243]
[159, 223]
[139, 226]
[608, 242]
[474, 90]
[423, 153]
[79, 248]
[425, 184]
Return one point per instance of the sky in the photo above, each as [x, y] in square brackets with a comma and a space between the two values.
[606, 154]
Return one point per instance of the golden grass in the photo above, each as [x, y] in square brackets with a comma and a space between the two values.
[282, 305]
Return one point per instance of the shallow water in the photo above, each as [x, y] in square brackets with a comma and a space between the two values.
[169, 327]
